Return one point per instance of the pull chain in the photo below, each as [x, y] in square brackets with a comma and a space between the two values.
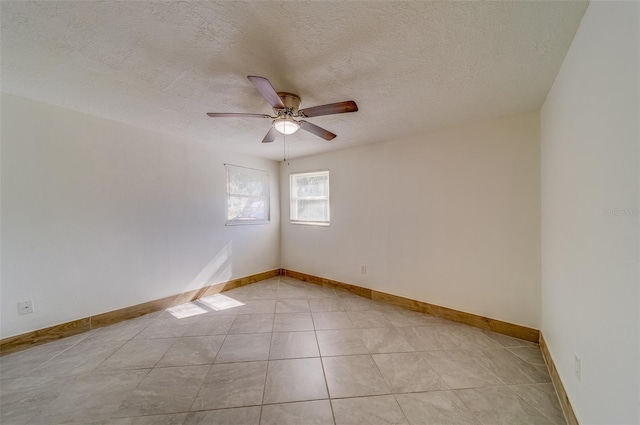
[287, 155]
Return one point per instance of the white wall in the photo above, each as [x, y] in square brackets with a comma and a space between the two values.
[98, 215]
[451, 218]
[590, 137]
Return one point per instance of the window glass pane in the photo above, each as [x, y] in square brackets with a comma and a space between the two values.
[245, 182]
[312, 210]
[312, 186]
[247, 195]
[243, 208]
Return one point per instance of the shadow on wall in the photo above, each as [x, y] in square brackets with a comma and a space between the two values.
[219, 269]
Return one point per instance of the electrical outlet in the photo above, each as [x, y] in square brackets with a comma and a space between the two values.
[25, 307]
[363, 269]
[578, 367]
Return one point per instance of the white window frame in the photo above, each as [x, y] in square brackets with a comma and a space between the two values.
[293, 199]
[259, 174]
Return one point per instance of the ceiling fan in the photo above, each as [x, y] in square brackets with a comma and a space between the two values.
[285, 107]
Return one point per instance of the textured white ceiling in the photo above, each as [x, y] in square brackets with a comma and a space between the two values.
[410, 66]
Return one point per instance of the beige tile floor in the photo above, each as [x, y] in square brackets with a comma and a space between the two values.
[280, 352]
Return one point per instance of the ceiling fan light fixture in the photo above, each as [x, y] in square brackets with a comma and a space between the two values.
[286, 107]
[286, 125]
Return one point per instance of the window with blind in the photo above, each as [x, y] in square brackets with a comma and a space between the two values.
[247, 195]
[309, 196]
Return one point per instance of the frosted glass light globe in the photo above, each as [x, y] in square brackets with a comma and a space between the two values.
[286, 125]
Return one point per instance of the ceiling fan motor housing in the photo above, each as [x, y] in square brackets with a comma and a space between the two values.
[291, 101]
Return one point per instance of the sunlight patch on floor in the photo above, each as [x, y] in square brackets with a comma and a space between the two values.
[186, 310]
[204, 305]
[220, 302]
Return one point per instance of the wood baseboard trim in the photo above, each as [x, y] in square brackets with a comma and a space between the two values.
[40, 336]
[567, 409]
[505, 328]
[327, 283]
[22, 342]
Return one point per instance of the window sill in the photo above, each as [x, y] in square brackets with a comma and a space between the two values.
[311, 223]
[245, 223]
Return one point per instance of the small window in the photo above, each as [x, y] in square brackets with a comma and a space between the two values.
[247, 195]
[309, 193]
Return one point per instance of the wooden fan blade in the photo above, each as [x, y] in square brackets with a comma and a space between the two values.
[240, 114]
[266, 89]
[318, 131]
[271, 136]
[331, 108]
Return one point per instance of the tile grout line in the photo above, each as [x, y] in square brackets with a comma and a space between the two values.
[510, 349]
[25, 375]
[324, 373]
[534, 407]
[119, 348]
[475, 415]
[473, 358]
[266, 373]
[400, 406]
[207, 374]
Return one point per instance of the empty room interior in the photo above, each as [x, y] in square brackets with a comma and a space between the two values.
[322, 213]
